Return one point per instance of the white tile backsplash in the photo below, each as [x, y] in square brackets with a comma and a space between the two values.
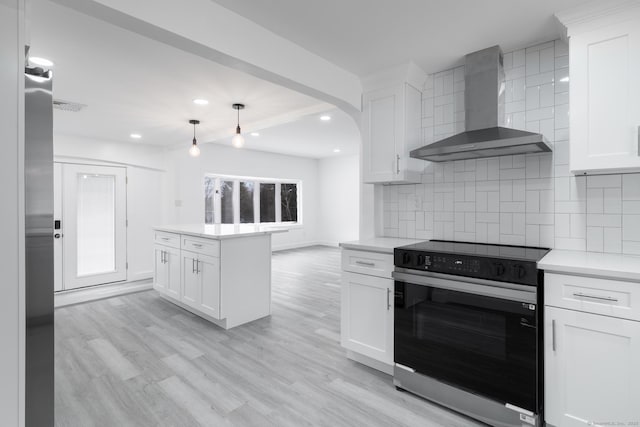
[533, 199]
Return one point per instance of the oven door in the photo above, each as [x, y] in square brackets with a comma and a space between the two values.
[475, 335]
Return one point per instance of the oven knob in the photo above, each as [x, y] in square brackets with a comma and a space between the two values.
[406, 258]
[420, 260]
[519, 271]
[498, 269]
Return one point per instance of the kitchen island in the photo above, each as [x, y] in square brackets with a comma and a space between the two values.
[219, 272]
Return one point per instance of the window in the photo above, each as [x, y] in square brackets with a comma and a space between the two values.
[267, 202]
[247, 200]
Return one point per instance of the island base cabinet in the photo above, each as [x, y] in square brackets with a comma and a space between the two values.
[201, 283]
[167, 270]
[592, 369]
[367, 316]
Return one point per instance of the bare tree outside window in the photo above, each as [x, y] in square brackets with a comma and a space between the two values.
[209, 189]
[226, 202]
[246, 202]
[289, 202]
[267, 202]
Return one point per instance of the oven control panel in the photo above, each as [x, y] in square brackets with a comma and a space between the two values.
[503, 270]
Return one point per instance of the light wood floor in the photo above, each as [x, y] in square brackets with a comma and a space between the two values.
[138, 360]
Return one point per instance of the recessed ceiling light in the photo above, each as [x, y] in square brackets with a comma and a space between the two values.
[336, 150]
[44, 62]
[135, 136]
[255, 134]
[325, 118]
[200, 101]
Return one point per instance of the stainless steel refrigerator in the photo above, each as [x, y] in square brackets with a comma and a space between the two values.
[38, 162]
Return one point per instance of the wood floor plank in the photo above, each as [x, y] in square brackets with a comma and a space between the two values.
[140, 360]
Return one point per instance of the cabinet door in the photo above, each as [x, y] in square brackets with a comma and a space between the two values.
[209, 272]
[381, 131]
[367, 316]
[172, 257]
[592, 373]
[191, 283]
[605, 98]
[160, 270]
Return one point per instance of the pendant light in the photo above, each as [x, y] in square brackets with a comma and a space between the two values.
[238, 140]
[194, 150]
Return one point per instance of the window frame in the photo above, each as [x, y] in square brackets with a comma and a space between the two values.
[217, 202]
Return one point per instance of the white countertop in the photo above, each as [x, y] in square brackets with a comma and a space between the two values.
[378, 244]
[614, 266]
[220, 231]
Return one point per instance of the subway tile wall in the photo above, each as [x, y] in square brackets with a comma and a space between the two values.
[523, 199]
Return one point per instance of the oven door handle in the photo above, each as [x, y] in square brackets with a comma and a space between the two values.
[501, 292]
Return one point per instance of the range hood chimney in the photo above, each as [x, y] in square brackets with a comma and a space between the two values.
[485, 134]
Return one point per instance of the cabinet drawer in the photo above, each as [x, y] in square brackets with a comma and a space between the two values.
[203, 246]
[167, 239]
[371, 263]
[593, 295]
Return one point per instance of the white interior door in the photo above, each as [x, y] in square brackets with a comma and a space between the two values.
[94, 211]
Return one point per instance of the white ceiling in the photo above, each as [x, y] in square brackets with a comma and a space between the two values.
[309, 136]
[364, 36]
[134, 84]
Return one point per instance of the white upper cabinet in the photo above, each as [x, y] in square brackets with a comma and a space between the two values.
[392, 126]
[604, 65]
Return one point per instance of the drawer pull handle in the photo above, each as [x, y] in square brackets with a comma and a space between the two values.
[165, 238]
[197, 245]
[388, 299]
[553, 335]
[365, 263]
[581, 295]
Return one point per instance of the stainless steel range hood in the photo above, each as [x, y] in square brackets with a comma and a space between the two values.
[485, 134]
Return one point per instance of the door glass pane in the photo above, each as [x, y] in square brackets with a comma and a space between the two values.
[226, 202]
[246, 202]
[96, 224]
[209, 184]
[289, 202]
[267, 203]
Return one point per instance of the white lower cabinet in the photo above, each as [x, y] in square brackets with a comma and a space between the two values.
[209, 277]
[201, 283]
[367, 309]
[367, 316]
[167, 270]
[592, 369]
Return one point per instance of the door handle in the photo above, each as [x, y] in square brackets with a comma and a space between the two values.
[368, 264]
[581, 295]
[553, 335]
[57, 235]
[397, 164]
[161, 257]
[193, 265]
[197, 266]
[388, 299]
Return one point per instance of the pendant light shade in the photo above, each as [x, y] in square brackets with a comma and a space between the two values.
[194, 151]
[238, 140]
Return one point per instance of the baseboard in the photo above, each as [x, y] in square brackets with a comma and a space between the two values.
[372, 363]
[94, 293]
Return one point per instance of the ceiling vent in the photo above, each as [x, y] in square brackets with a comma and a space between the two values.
[74, 107]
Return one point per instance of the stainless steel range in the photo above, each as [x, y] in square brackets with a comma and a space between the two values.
[468, 331]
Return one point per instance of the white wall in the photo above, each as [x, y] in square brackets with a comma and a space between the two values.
[339, 199]
[12, 212]
[145, 202]
[185, 179]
